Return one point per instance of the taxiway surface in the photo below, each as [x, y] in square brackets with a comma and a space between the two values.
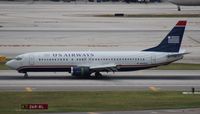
[154, 80]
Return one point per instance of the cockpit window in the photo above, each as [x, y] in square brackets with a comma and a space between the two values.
[18, 58]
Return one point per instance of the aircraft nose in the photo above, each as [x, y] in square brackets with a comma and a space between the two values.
[10, 64]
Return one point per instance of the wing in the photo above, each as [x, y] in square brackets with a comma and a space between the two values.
[105, 67]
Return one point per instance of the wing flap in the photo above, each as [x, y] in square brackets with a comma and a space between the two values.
[107, 67]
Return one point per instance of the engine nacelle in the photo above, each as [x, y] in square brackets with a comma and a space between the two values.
[80, 71]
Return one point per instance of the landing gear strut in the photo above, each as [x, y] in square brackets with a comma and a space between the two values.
[179, 8]
[25, 75]
[98, 74]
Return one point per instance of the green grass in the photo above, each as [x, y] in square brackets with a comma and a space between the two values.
[96, 101]
[152, 15]
[3, 66]
[179, 66]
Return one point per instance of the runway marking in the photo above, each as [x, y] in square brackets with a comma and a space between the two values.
[28, 89]
[152, 88]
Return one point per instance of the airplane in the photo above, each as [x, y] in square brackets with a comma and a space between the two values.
[84, 63]
[185, 3]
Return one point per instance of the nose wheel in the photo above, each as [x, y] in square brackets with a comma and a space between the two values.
[25, 75]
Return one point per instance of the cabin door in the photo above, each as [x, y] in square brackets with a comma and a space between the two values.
[31, 60]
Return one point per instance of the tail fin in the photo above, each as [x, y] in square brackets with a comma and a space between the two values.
[172, 41]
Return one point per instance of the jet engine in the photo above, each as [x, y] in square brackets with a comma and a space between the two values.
[80, 71]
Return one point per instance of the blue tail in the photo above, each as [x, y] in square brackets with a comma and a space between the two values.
[172, 41]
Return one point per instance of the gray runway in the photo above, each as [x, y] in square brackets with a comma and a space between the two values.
[134, 81]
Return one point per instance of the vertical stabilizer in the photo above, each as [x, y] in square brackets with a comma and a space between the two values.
[172, 42]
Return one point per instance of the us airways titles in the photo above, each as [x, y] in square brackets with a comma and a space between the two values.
[73, 55]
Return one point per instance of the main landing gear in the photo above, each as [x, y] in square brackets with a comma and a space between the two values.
[25, 75]
[98, 75]
[179, 8]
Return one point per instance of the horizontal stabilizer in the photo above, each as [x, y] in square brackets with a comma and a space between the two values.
[177, 54]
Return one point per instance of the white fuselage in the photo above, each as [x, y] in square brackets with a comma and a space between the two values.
[64, 61]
